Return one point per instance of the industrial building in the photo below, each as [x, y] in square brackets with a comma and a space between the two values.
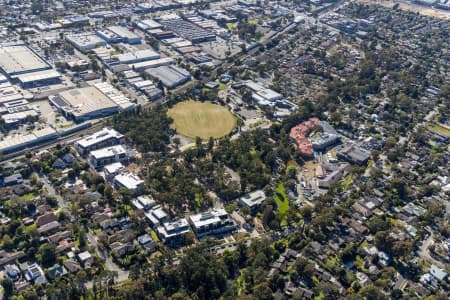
[137, 56]
[141, 66]
[84, 103]
[18, 115]
[212, 223]
[115, 95]
[109, 36]
[173, 234]
[13, 143]
[116, 34]
[91, 102]
[86, 41]
[24, 66]
[37, 79]
[101, 139]
[170, 76]
[147, 24]
[129, 181]
[188, 30]
[20, 59]
[105, 156]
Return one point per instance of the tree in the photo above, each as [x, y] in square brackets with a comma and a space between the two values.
[371, 292]
[8, 287]
[82, 238]
[7, 242]
[47, 254]
[328, 290]
[306, 212]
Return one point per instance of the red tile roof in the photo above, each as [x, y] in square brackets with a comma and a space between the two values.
[300, 134]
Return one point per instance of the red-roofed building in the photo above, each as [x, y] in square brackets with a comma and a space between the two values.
[300, 134]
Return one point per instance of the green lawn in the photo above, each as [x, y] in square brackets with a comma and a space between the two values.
[28, 196]
[439, 129]
[347, 181]
[154, 236]
[291, 165]
[230, 26]
[282, 203]
[222, 86]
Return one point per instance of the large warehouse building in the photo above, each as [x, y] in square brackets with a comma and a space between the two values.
[19, 59]
[84, 103]
[85, 42]
[92, 102]
[24, 66]
[170, 76]
[117, 34]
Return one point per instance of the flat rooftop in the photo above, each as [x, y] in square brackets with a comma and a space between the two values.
[207, 218]
[19, 59]
[254, 198]
[38, 76]
[108, 152]
[142, 55]
[169, 75]
[83, 40]
[128, 180]
[98, 137]
[13, 141]
[123, 32]
[83, 101]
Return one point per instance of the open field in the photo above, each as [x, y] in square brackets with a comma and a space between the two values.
[202, 119]
[282, 203]
[439, 129]
[423, 10]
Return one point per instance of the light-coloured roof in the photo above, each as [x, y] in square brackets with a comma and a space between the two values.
[86, 40]
[142, 55]
[123, 32]
[207, 218]
[113, 168]
[146, 201]
[98, 137]
[170, 229]
[152, 63]
[37, 76]
[20, 59]
[114, 95]
[108, 152]
[128, 180]
[150, 24]
[86, 100]
[254, 198]
[18, 116]
[84, 255]
[12, 141]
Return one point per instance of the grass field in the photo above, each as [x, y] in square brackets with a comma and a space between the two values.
[202, 119]
[439, 129]
[282, 203]
[230, 26]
